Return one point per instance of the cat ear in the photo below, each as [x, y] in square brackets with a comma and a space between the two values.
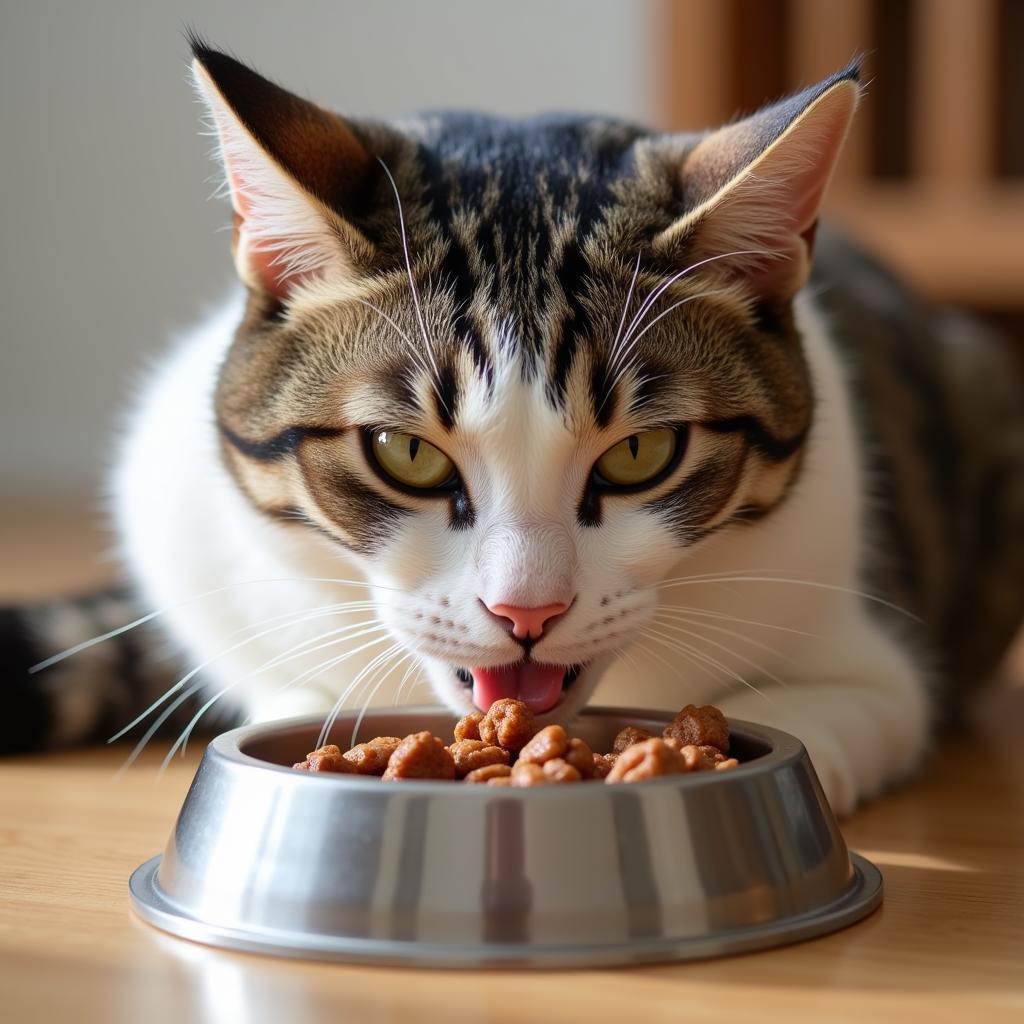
[758, 184]
[290, 168]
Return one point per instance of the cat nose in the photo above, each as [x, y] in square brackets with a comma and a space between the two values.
[528, 622]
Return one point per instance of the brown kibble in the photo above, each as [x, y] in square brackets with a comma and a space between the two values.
[697, 740]
[549, 743]
[700, 727]
[646, 760]
[509, 723]
[468, 727]
[691, 759]
[325, 759]
[629, 736]
[488, 773]
[421, 756]
[559, 770]
[581, 757]
[472, 754]
[372, 758]
[526, 773]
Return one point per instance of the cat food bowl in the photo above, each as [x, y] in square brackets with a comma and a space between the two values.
[268, 859]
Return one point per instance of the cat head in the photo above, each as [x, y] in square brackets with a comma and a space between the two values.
[516, 370]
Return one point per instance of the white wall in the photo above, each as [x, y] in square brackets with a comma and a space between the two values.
[107, 242]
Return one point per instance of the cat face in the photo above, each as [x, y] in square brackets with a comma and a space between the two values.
[516, 371]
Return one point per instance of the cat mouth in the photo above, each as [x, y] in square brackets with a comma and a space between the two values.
[540, 687]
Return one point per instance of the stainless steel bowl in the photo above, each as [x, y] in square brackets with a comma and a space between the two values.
[273, 860]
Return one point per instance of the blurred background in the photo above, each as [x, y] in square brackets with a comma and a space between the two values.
[110, 247]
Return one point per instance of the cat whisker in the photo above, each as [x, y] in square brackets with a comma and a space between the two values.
[632, 342]
[674, 622]
[311, 644]
[674, 643]
[414, 665]
[412, 285]
[183, 681]
[413, 351]
[726, 617]
[306, 614]
[187, 732]
[382, 658]
[195, 687]
[149, 617]
[625, 307]
[657, 292]
[373, 692]
[659, 657]
[728, 578]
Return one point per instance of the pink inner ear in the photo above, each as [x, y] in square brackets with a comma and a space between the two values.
[799, 181]
[262, 269]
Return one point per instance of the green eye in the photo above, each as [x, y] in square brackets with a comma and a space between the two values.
[637, 459]
[411, 460]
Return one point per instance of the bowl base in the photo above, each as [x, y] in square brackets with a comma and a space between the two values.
[862, 897]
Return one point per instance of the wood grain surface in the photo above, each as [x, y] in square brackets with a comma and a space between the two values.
[947, 945]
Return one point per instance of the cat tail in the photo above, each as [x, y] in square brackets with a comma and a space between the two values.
[89, 695]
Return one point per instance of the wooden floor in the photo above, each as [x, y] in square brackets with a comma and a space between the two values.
[947, 945]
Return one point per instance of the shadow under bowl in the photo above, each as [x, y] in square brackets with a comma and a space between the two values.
[268, 859]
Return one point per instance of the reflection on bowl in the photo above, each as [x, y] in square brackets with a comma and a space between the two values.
[340, 867]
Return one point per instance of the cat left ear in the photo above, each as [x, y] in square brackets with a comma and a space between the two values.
[291, 168]
[756, 186]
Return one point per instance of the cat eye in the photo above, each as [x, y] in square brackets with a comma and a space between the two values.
[411, 461]
[638, 459]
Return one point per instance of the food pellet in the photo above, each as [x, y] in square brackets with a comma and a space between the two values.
[505, 748]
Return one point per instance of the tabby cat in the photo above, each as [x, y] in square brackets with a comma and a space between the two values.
[515, 407]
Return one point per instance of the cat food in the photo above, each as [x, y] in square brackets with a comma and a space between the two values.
[372, 758]
[326, 759]
[509, 724]
[647, 760]
[468, 728]
[505, 748]
[420, 756]
[627, 737]
[699, 727]
[488, 772]
[469, 755]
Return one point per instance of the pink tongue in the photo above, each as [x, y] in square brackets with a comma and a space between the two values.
[537, 686]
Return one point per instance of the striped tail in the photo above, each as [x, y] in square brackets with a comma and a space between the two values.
[90, 695]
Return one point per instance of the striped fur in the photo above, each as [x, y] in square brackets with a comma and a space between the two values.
[523, 295]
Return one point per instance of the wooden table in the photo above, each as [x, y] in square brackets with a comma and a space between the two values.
[947, 945]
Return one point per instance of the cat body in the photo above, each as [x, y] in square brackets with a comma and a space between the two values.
[675, 474]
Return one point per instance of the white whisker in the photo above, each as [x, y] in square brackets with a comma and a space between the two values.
[728, 578]
[412, 286]
[143, 619]
[369, 667]
[383, 679]
[674, 643]
[674, 626]
[187, 732]
[657, 292]
[663, 615]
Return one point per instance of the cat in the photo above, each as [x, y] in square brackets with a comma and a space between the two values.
[524, 405]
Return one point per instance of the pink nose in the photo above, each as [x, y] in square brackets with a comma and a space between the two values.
[528, 622]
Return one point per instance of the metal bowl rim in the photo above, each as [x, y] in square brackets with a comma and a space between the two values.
[227, 747]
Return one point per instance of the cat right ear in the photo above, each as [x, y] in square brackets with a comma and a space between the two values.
[290, 169]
